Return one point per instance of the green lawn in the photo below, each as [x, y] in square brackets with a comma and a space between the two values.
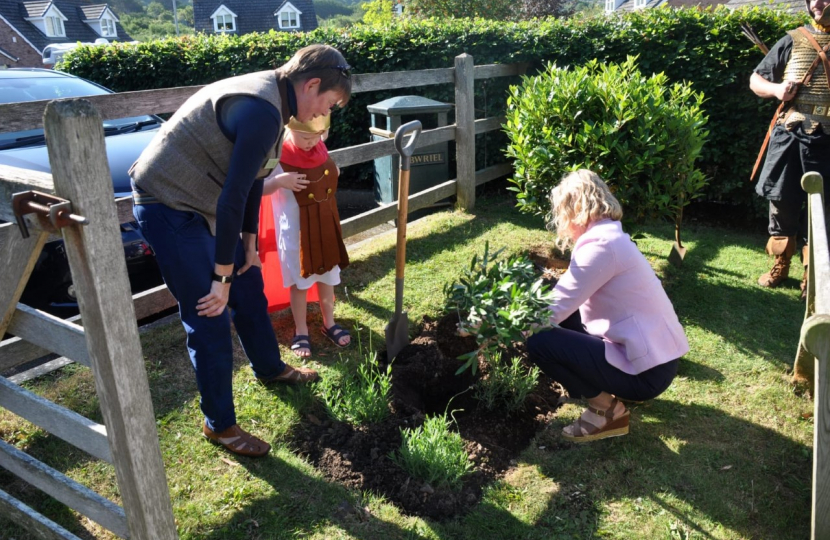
[725, 453]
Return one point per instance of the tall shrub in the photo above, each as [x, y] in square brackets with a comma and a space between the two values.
[641, 134]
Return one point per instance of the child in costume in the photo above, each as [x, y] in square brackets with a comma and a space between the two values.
[307, 227]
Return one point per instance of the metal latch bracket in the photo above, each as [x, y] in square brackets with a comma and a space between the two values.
[52, 212]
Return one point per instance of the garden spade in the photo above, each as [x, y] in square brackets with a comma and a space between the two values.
[397, 330]
[678, 252]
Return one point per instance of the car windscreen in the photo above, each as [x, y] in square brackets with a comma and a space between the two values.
[40, 88]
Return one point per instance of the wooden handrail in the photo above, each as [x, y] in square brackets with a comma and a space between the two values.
[815, 341]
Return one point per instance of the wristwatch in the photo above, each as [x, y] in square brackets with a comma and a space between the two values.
[222, 279]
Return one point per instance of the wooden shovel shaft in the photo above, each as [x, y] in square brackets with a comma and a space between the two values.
[403, 211]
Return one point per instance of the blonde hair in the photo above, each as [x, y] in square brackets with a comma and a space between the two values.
[581, 198]
[322, 62]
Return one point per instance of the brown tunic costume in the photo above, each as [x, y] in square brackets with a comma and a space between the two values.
[321, 239]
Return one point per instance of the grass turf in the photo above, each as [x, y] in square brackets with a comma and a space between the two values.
[724, 453]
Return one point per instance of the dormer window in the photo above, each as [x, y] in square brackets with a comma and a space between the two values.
[49, 20]
[107, 27]
[100, 18]
[610, 5]
[288, 17]
[639, 4]
[54, 27]
[224, 20]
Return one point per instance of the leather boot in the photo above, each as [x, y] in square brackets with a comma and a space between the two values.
[805, 258]
[783, 248]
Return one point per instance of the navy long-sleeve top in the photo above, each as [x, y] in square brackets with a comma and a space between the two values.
[253, 125]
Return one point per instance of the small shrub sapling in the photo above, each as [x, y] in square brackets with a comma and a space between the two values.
[498, 302]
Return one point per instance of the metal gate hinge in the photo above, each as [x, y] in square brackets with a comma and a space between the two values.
[52, 212]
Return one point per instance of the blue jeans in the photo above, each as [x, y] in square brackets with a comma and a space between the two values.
[185, 252]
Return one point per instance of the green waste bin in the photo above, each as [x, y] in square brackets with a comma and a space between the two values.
[428, 165]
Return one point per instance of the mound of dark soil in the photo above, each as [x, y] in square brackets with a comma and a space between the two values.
[424, 383]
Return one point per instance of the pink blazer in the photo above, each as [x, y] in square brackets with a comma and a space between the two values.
[620, 300]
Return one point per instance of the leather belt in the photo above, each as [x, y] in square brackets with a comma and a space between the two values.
[813, 110]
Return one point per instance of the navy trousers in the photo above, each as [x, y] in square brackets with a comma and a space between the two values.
[185, 251]
[576, 359]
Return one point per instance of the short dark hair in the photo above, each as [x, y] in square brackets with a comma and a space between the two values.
[322, 62]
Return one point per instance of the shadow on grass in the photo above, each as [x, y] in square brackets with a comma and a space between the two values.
[687, 461]
[754, 320]
[698, 372]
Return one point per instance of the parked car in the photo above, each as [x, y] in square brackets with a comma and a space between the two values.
[50, 285]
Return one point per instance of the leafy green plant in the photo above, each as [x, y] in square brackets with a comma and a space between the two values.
[506, 385]
[433, 453]
[641, 134]
[497, 302]
[359, 397]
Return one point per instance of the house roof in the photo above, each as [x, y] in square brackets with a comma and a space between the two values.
[252, 15]
[790, 6]
[76, 11]
[94, 12]
[35, 9]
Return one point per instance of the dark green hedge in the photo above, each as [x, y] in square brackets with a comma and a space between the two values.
[701, 46]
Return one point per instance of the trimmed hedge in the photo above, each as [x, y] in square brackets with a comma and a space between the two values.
[704, 47]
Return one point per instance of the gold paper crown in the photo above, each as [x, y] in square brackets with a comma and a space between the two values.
[317, 125]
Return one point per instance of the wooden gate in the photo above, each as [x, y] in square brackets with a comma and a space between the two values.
[107, 343]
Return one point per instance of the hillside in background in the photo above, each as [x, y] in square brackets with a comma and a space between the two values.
[137, 6]
[153, 19]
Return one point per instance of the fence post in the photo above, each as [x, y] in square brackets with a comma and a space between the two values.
[815, 339]
[465, 132]
[81, 174]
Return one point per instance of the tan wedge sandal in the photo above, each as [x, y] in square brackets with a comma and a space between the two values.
[584, 431]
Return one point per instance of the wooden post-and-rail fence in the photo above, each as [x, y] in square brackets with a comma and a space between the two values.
[108, 341]
[813, 352]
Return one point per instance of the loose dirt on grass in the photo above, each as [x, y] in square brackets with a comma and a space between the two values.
[424, 383]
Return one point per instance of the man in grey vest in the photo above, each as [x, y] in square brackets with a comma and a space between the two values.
[197, 189]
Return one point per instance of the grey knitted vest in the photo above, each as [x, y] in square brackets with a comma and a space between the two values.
[186, 163]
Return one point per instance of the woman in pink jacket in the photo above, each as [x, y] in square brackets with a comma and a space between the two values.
[617, 335]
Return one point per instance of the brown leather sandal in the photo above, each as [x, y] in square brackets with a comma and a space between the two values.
[292, 375]
[236, 440]
[585, 431]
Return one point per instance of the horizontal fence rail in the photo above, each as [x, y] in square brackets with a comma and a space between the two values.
[70, 426]
[64, 489]
[43, 528]
[29, 115]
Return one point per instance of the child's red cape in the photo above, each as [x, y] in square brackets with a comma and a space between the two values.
[278, 296]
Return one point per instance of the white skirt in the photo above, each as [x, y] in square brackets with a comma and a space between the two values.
[287, 217]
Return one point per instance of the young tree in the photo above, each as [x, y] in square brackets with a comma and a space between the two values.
[531, 9]
[378, 12]
[488, 9]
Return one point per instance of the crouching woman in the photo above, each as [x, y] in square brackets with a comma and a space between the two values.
[618, 335]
